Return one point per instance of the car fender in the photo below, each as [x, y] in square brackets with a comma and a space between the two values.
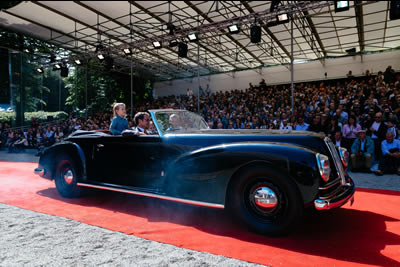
[50, 156]
[205, 173]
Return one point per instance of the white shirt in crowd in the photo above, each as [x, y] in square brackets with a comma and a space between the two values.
[375, 125]
[287, 127]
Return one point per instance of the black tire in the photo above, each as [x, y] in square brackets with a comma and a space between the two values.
[67, 189]
[276, 221]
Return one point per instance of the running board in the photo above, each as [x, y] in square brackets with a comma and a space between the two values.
[133, 192]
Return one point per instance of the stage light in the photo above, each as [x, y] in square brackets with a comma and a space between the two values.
[255, 34]
[99, 47]
[283, 18]
[40, 70]
[127, 51]
[78, 62]
[57, 66]
[193, 37]
[341, 6]
[182, 50]
[394, 9]
[108, 63]
[64, 71]
[234, 28]
[173, 43]
[274, 5]
[100, 56]
[157, 45]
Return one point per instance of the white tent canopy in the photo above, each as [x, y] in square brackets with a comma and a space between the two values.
[318, 31]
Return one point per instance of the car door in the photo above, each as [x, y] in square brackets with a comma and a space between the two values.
[128, 161]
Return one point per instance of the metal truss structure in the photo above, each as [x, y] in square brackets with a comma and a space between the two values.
[319, 32]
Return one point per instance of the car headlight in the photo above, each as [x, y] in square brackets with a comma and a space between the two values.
[344, 156]
[323, 166]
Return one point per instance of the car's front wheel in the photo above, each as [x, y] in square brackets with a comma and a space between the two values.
[265, 200]
[66, 175]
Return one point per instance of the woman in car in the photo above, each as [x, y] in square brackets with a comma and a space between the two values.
[119, 122]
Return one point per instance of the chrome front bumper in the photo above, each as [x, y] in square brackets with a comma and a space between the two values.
[338, 200]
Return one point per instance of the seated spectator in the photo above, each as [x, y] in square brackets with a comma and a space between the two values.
[119, 122]
[333, 127]
[390, 161]
[45, 142]
[301, 125]
[316, 124]
[362, 152]
[377, 130]
[19, 145]
[338, 140]
[391, 125]
[349, 132]
[285, 125]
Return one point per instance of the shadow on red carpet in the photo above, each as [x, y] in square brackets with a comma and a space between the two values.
[366, 234]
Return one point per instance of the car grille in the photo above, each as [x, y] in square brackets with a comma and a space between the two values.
[334, 186]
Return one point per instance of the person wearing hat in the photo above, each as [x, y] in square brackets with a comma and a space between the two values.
[362, 152]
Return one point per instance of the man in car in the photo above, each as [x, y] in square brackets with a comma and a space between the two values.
[142, 121]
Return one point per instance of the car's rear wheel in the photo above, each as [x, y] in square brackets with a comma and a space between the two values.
[265, 200]
[66, 175]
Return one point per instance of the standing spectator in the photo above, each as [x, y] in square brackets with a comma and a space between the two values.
[390, 161]
[208, 90]
[377, 130]
[362, 152]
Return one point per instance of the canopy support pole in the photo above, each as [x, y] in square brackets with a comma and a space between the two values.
[291, 64]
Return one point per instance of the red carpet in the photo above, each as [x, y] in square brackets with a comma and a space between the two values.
[366, 234]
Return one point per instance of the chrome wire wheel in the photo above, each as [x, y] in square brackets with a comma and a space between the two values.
[68, 176]
[264, 200]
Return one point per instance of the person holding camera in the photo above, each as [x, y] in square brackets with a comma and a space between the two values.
[362, 152]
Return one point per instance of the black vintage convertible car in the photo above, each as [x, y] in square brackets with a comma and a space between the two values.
[265, 178]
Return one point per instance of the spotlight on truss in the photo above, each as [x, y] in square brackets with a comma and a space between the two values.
[127, 51]
[100, 56]
[193, 37]
[282, 18]
[157, 44]
[341, 6]
[234, 28]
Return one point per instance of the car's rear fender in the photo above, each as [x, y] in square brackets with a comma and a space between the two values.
[50, 156]
[205, 174]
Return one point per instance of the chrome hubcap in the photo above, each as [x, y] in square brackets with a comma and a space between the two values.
[68, 176]
[265, 198]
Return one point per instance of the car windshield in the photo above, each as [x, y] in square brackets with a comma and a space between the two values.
[179, 120]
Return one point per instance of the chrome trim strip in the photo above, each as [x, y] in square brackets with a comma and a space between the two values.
[330, 185]
[181, 200]
[336, 159]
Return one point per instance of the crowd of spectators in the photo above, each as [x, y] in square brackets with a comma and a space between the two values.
[343, 109]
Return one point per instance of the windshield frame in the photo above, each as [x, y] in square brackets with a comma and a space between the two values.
[153, 113]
